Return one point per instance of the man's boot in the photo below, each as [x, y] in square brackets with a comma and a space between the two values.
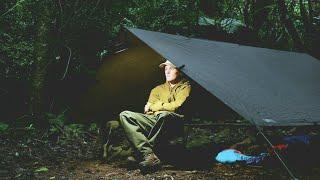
[150, 162]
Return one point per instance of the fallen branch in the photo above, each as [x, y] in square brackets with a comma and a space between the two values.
[39, 140]
[67, 67]
[92, 136]
[13, 7]
[113, 173]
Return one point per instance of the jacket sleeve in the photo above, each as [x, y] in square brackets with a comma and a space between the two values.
[173, 106]
[154, 96]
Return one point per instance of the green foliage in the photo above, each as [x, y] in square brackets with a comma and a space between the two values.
[231, 25]
[56, 122]
[73, 21]
[127, 23]
[103, 53]
[74, 130]
[3, 127]
[205, 21]
[93, 128]
[59, 127]
[199, 138]
[30, 127]
[162, 15]
[17, 40]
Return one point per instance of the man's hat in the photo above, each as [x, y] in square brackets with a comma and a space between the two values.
[167, 63]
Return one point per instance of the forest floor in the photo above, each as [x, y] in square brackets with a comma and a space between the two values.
[25, 156]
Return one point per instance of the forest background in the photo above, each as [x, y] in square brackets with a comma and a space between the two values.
[50, 51]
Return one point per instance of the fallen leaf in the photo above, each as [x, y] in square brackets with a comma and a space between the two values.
[42, 169]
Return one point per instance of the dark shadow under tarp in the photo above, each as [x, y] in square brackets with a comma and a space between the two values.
[267, 87]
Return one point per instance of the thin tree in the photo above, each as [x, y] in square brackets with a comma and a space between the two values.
[288, 24]
[42, 15]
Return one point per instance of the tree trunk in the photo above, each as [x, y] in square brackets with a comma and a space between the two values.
[260, 13]
[289, 25]
[193, 21]
[310, 12]
[40, 63]
[304, 18]
[314, 38]
[246, 17]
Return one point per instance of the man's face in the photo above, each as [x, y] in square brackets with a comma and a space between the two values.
[171, 73]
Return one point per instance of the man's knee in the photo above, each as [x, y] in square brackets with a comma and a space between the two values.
[167, 116]
[126, 115]
[123, 116]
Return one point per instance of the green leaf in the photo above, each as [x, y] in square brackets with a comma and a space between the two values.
[93, 127]
[204, 21]
[3, 127]
[30, 127]
[231, 25]
[42, 169]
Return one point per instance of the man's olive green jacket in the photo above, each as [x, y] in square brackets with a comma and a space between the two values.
[165, 98]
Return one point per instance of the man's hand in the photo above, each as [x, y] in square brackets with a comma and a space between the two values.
[147, 108]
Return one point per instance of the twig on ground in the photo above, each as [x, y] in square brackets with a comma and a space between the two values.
[39, 140]
[113, 173]
[92, 136]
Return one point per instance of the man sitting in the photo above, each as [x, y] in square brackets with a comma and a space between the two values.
[160, 118]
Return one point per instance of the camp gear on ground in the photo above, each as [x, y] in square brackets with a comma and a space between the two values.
[230, 156]
[279, 147]
[296, 139]
[297, 143]
[300, 152]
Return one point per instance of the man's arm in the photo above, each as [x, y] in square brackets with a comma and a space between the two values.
[181, 97]
[153, 98]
